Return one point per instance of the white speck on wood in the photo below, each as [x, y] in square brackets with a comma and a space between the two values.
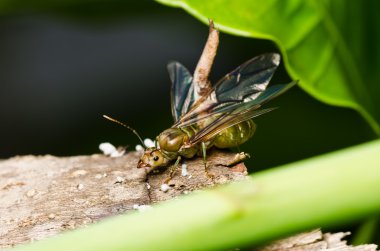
[148, 142]
[164, 188]
[139, 148]
[107, 148]
[119, 179]
[110, 150]
[51, 216]
[184, 170]
[31, 193]
[141, 208]
[78, 173]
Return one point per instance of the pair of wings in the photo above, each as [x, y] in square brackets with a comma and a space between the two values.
[235, 98]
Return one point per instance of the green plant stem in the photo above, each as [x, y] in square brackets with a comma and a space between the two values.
[324, 191]
[366, 232]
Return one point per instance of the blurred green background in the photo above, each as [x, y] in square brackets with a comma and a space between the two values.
[64, 64]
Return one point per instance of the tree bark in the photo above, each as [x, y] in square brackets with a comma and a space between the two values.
[316, 240]
[41, 196]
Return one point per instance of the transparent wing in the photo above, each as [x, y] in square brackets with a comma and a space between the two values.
[238, 113]
[242, 85]
[225, 121]
[182, 93]
[248, 79]
[263, 97]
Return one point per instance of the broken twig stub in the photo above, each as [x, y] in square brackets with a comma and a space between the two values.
[201, 83]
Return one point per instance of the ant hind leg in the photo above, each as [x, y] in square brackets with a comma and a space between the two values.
[204, 152]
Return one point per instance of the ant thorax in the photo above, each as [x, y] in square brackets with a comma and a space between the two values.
[172, 139]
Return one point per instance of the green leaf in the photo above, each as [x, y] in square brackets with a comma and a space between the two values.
[332, 47]
[328, 190]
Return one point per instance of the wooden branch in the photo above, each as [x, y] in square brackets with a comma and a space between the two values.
[316, 240]
[201, 82]
[41, 196]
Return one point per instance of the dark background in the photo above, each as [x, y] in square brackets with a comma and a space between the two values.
[62, 67]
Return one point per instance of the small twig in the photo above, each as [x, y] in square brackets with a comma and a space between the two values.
[201, 82]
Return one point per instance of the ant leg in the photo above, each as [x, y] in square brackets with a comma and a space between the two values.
[172, 170]
[204, 150]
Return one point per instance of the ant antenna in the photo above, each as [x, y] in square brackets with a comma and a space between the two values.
[126, 126]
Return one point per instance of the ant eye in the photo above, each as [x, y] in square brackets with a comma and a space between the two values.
[155, 158]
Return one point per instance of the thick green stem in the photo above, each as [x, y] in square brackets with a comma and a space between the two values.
[328, 190]
[366, 232]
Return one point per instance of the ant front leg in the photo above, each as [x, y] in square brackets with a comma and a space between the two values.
[172, 170]
[204, 151]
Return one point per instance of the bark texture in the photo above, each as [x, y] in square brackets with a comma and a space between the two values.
[41, 196]
[201, 83]
[316, 240]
